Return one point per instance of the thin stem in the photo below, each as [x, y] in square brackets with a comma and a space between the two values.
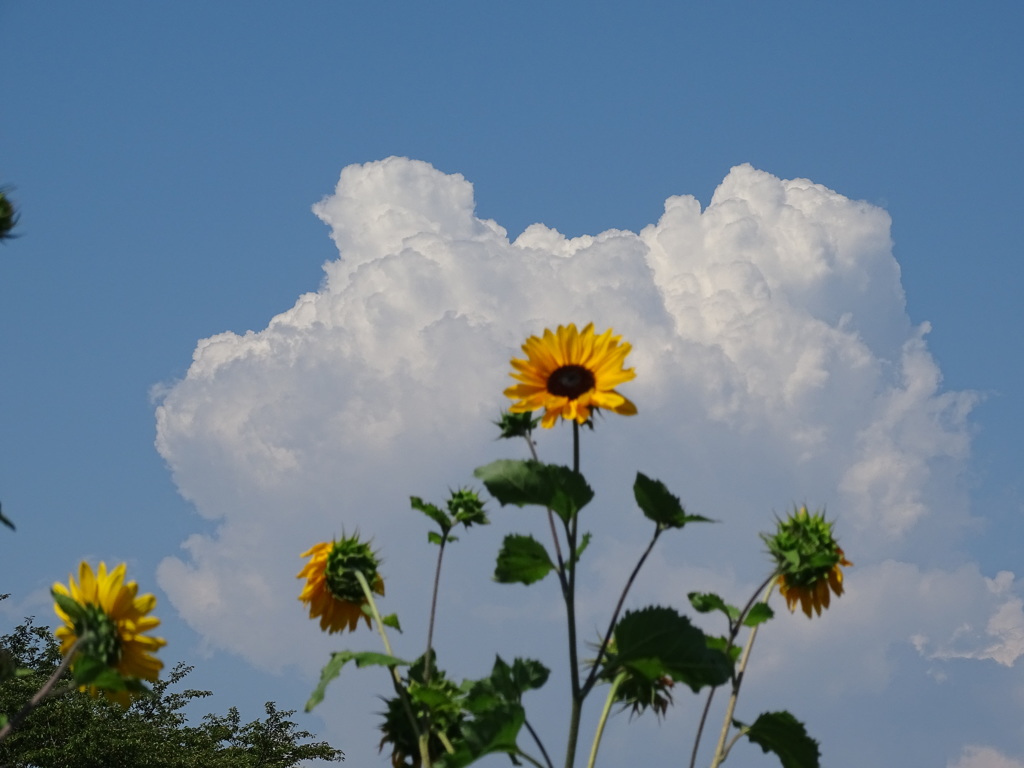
[538, 742]
[720, 751]
[604, 717]
[592, 677]
[700, 726]
[433, 609]
[396, 678]
[734, 629]
[45, 692]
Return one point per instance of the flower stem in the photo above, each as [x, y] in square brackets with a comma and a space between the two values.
[569, 593]
[422, 739]
[720, 750]
[538, 742]
[592, 677]
[433, 610]
[604, 717]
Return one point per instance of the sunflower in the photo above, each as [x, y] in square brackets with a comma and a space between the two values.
[332, 590]
[809, 561]
[569, 373]
[111, 619]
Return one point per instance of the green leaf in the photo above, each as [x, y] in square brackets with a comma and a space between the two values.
[434, 538]
[705, 602]
[530, 482]
[88, 670]
[661, 506]
[5, 520]
[522, 559]
[655, 642]
[391, 620]
[435, 513]
[784, 735]
[338, 660]
[579, 550]
[758, 614]
[721, 644]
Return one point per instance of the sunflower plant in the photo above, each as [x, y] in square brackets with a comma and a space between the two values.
[643, 659]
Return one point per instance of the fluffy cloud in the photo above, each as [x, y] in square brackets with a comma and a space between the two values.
[985, 757]
[776, 365]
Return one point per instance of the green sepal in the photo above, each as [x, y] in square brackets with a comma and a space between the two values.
[71, 607]
[391, 620]
[339, 659]
[706, 602]
[5, 520]
[522, 559]
[656, 642]
[785, 736]
[659, 505]
[758, 614]
[530, 482]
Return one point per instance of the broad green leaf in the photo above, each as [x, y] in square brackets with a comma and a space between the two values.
[338, 660]
[492, 731]
[432, 511]
[522, 559]
[655, 642]
[659, 505]
[786, 737]
[705, 602]
[530, 482]
[758, 613]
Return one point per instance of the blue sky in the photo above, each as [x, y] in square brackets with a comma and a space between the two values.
[166, 157]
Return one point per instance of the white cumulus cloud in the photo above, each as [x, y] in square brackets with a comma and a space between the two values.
[775, 365]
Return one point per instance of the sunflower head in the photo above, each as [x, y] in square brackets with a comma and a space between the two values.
[332, 590]
[569, 373]
[109, 621]
[808, 560]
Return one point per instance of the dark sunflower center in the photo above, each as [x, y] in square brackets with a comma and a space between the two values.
[570, 381]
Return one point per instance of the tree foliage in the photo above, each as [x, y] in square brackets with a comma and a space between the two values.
[74, 730]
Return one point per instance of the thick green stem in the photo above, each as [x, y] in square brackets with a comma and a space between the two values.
[604, 718]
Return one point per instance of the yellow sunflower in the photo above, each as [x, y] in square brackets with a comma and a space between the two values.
[332, 590]
[568, 373]
[114, 621]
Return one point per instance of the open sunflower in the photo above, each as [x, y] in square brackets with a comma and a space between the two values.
[569, 373]
[113, 620]
[332, 590]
